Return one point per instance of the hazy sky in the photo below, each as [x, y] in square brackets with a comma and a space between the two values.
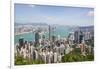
[25, 13]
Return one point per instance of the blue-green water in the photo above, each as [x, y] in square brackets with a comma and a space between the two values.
[63, 31]
[26, 36]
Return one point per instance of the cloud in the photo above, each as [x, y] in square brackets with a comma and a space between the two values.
[50, 18]
[90, 13]
[31, 6]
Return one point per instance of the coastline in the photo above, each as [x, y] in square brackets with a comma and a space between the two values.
[22, 33]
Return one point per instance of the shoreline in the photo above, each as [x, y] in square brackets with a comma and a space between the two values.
[23, 33]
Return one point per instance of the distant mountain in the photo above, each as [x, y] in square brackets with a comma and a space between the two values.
[30, 24]
[89, 28]
[86, 27]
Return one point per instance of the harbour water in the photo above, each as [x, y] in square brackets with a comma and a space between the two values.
[63, 31]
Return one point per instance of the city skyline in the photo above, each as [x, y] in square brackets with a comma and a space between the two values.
[62, 15]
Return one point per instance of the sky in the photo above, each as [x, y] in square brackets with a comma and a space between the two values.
[62, 15]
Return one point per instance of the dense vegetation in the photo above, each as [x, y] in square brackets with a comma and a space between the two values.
[19, 60]
[72, 57]
[77, 58]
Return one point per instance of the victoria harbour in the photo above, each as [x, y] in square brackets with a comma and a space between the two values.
[62, 31]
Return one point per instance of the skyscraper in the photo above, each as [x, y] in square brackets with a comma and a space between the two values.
[76, 36]
[80, 37]
[21, 42]
[37, 38]
[49, 32]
